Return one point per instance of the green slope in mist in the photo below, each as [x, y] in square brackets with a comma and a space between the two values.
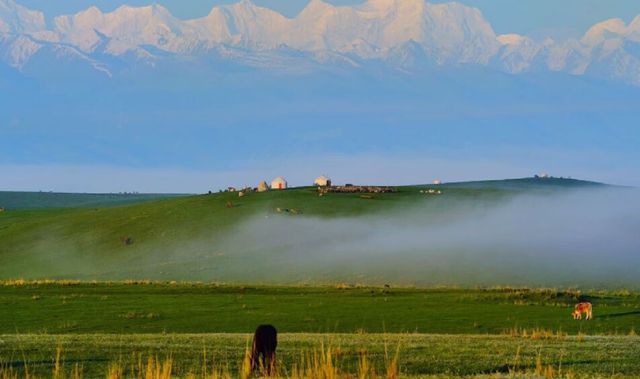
[184, 238]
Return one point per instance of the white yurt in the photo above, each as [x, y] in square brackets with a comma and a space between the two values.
[278, 183]
[262, 186]
[322, 181]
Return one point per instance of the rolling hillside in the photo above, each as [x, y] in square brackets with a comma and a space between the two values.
[33, 200]
[292, 236]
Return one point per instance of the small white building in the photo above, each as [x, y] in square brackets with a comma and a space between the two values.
[322, 181]
[278, 183]
[262, 186]
[437, 182]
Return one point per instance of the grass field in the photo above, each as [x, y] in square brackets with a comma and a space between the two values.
[202, 238]
[40, 200]
[202, 308]
[419, 355]
[447, 332]
[330, 326]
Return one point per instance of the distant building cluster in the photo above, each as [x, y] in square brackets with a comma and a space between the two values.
[547, 176]
[350, 188]
[279, 183]
[324, 185]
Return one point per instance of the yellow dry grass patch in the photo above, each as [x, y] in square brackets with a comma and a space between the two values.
[536, 333]
[320, 363]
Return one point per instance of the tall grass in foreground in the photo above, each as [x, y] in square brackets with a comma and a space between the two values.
[322, 363]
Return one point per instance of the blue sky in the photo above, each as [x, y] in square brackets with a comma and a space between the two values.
[194, 128]
[507, 16]
[191, 139]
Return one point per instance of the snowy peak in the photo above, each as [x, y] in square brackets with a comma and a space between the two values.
[253, 26]
[405, 35]
[612, 28]
[16, 19]
[458, 30]
[381, 4]
[126, 28]
[511, 39]
[376, 27]
[450, 32]
[317, 7]
[377, 8]
[382, 8]
[212, 28]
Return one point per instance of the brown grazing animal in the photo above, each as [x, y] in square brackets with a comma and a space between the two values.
[582, 308]
[263, 352]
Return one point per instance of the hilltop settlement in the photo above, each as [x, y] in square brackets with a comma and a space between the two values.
[324, 185]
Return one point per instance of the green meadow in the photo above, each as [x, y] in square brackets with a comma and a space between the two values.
[210, 308]
[155, 289]
[447, 332]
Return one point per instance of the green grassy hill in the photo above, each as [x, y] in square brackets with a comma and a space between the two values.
[36, 200]
[527, 184]
[186, 238]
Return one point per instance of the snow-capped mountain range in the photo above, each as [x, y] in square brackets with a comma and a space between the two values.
[403, 35]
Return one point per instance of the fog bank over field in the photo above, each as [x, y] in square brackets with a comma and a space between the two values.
[529, 234]
[579, 237]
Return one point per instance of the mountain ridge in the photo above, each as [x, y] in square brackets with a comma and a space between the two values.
[377, 30]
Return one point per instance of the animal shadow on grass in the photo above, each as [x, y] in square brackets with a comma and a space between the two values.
[620, 314]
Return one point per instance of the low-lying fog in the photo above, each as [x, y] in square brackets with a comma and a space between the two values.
[550, 238]
[584, 237]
